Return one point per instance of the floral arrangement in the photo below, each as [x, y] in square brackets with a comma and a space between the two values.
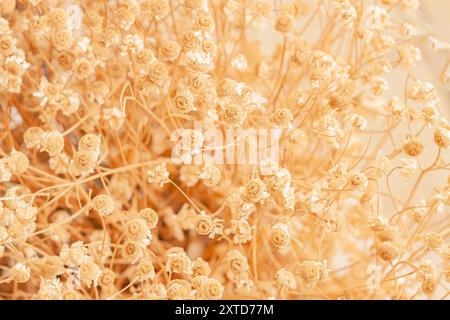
[101, 193]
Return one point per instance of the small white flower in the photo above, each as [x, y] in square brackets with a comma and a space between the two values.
[358, 121]
[158, 175]
[83, 44]
[199, 57]
[377, 18]
[239, 62]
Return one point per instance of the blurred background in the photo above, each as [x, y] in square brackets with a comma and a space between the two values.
[433, 15]
[431, 19]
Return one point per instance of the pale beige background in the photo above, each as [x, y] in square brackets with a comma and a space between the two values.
[431, 19]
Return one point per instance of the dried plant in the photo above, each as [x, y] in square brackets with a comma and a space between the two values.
[100, 196]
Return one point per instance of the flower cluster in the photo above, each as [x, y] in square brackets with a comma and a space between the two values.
[101, 193]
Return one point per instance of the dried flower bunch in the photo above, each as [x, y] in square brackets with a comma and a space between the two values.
[97, 97]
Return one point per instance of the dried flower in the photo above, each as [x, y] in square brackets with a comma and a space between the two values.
[387, 251]
[433, 241]
[85, 161]
[184, 102]
[236, 262]
[179, 290]
[207, 226]
[89, 272]
[103, 204]
[233, 114]
[358, 181]
[255, 191]
[137, 230]
[170, 51]
[311, 272]
[442, 137]
[89, 142]
[33, 136]
[413, 147]
[158, 72]
[211, 289]
[159, 175]
[20, 273]
[210, 175]
[150, 217]
[62, 40]
[292, 130]
[284, 23]
[50, 289]
[106, 278]
[18, 162]
[377, 18]
[178, 261]
[52, 142]
[282, 117]
[286, 279]
[280, 235]
[200, 268]
[132, 251]
[82, 68]
[145, 270]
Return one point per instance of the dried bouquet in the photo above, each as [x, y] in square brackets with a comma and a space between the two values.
[222, 149]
